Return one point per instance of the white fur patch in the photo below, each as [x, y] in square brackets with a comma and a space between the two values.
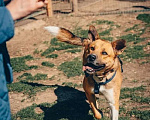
[53, 30]
[109, 95]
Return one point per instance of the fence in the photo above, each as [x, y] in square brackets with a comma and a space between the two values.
[94, 7]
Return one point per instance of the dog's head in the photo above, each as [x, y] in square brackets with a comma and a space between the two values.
[99, 55]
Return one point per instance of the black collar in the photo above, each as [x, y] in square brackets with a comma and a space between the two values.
[97, 85]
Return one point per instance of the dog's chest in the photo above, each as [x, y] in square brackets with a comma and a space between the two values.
[108, 93]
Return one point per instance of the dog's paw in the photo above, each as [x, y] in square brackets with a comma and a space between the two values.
[99, 115]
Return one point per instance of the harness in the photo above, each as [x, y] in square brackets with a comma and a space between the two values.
[97, 85]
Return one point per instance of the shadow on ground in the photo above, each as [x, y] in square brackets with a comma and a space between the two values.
[71, 105]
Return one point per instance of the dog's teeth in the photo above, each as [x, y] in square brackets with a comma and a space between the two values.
[90, 70]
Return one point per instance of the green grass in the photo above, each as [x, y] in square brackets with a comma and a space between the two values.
[106, 32]
[132, 38]
[135, 94]
[48, 64]
[144, 17]
[134, 52]
[73, 85]
[28, 76]
[19, 63]
[73, 50]
[135, 28]
[140, 114]
[80, 32]
[99, 22]
[36, 51]
[57, 46]
[71, 68]
[48, 51]
[27, 88]
[52, 56]
[28, 114]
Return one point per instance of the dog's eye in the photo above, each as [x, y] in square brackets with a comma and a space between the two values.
[104, 53]
[92, 48]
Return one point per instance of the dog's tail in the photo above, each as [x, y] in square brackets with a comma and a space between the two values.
[65, 35]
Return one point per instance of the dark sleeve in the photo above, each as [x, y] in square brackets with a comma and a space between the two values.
[6, 25]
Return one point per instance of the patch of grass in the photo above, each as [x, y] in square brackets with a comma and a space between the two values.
[70, 84]
[52, 56]
[99, 22]
[57, 46]
[28, 113]
[134, 52]
[74, 50]
[36, 51]
[19, 63]
[46, 42]
[71, 68]
[140, 114]
[28, 76]
[40, 76]
[144, 62]
[55, 42]
[140, 88]
[48, 64]
[124, 118]
[25, 76]
[27, 88]
[144, 17]
[48, 51]
[80, 32]
[135, 94]
[106, 32]
[132, 38]
[135, 27]
[107, 38]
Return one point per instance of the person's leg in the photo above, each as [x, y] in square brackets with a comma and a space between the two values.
[5, 113]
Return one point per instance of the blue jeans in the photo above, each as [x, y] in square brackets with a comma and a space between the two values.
[5, 113]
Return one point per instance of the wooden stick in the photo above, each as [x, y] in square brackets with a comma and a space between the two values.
[75, 6]
[49, 8]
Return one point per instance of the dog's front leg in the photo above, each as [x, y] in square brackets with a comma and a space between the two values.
[92, 100]
[88, 87]
[113, 99]
[114, 112]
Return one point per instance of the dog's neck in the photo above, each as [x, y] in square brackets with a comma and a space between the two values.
[104, 76]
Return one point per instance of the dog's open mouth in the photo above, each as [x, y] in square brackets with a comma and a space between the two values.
[91, 68]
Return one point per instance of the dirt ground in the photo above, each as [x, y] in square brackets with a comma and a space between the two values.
[31, 35]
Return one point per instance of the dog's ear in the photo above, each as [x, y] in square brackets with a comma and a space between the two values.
[119, 46]
[65, 35]
[92, 33]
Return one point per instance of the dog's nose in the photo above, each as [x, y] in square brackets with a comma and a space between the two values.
[91, 57]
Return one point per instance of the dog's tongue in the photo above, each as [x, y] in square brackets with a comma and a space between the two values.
[84, 68]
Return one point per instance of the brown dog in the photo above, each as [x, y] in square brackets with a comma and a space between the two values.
[101, 64]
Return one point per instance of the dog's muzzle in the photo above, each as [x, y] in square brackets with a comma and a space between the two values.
[91, 58]
[91, 65]
[90, 68]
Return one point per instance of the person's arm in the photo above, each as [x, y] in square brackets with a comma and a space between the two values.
[21, 8]
[6, 25]
[16, 9]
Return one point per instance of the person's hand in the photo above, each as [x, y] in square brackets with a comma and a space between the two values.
[21, 8]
